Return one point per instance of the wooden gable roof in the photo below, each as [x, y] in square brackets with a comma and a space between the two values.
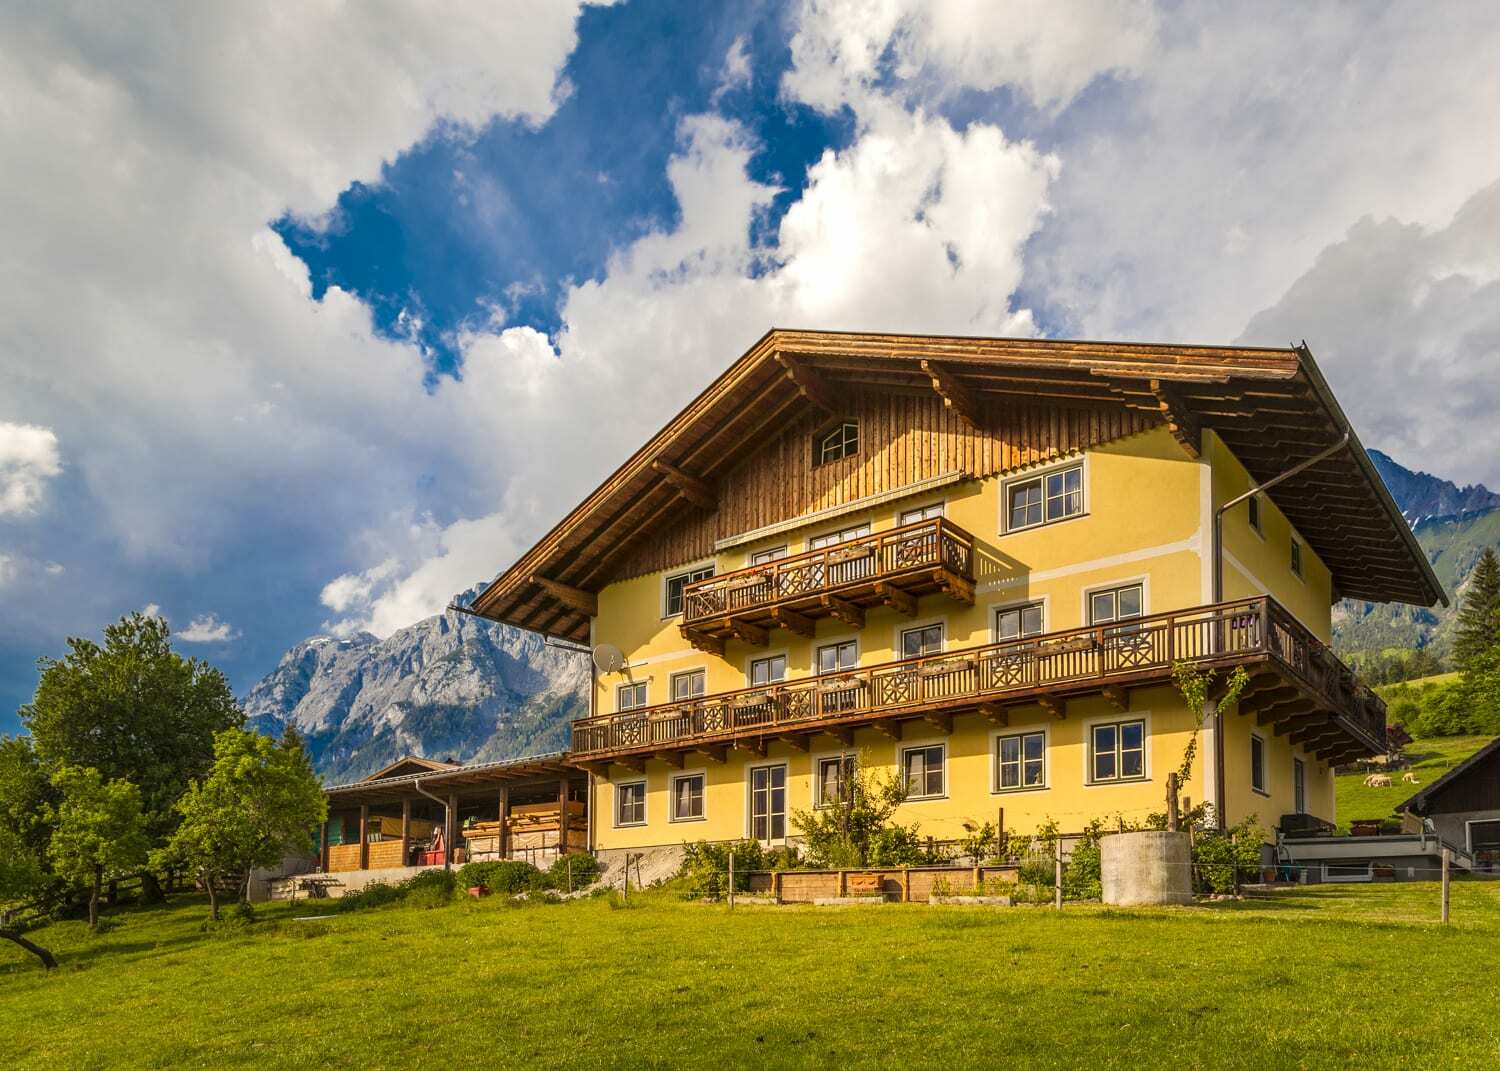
[1472, 785]
[1271, 406]
[410, 764]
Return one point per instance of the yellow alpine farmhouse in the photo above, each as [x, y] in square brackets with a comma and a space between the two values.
[974, 562]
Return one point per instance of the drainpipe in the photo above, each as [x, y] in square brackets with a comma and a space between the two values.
[1218, 593]
[447, 848]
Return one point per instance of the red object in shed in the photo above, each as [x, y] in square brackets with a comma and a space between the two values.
[433, 856]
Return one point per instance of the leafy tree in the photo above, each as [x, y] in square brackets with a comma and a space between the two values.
[26, 794]
[856, 829]
[20, 877]
[133, 709]
[1478, 628]
[101, 830]
[258, 804]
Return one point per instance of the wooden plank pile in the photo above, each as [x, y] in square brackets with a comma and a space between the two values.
[538, 825]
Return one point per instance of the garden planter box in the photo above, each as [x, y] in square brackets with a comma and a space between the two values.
[477, 891]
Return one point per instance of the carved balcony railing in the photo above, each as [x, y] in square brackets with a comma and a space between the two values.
[913, 560]
[1048, 669]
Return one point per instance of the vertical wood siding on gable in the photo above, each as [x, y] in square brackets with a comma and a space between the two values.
[904, 438]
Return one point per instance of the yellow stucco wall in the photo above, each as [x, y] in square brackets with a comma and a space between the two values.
[1240, 796]
[1147, 516]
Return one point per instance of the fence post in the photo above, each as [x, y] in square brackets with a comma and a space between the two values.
[731, 879]
[906, 885]
[1057, 880]
[1447, 856]
[1172, 820]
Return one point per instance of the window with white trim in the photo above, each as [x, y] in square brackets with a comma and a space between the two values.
[835, 774]
[837, 657]
[630, 803]
[1018, 622]
[1052, 496]
[843, 535]
[1252, 506]
[922, 641]
[1258, 763]
[770, 554]
[630, 696]
[676, 584]
[1020, 761]
[768, 803]
[1296, 558]
[1116, 604]
[687, 797]
[767, 670]
[1117, 751]
[920, 513]
[925, 770]
[689, 685]
[837, 443]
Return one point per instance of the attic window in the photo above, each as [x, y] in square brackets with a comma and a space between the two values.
[837, 443]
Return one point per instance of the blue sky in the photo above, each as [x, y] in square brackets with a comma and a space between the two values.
[286, 307]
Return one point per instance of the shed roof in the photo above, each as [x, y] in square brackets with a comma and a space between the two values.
[1419, 802]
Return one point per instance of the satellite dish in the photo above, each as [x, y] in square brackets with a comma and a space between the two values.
[608, 658]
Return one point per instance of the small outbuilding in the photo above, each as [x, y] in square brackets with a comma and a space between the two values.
[1462, 807]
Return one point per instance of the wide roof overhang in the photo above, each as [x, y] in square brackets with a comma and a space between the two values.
[457, 780]
[1271, 406]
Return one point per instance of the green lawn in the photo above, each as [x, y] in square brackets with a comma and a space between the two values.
[1331, 977]
[1431, 758]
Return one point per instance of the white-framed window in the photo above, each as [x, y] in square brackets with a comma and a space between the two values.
[1252, 506]
[837, 443]
[843, 535]
[1296, 558]
[1019, 622]
[1117, 751]
[767, 670]
[687, 797]
[677, 582]
[1110, 605]
[835, 773]
[768, 803]
[1044, 498]
[1299, 786]
[770, 554]
[1020, 761]
[1258, 763]
[630, 696]
[838, 657]
[922, 640]
[1482, 834]
[925, 769]
[690, 684]
[630, 803]
[919, 513]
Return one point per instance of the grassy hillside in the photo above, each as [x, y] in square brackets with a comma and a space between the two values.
[1303, 979]
[1431, 758]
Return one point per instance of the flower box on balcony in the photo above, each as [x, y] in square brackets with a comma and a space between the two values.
[849, 554]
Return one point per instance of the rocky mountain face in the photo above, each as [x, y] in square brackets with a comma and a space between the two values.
[452, 686]
[1453, 525]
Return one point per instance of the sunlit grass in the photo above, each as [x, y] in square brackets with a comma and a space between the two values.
[1431, 758]
[1312, 977]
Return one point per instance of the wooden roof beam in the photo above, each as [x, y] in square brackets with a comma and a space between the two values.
[956, 396]
[585, 602]
[811, 386]
[696, 490]
[1179, 419]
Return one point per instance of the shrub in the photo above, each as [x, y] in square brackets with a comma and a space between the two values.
[507, 876]
[1216, 856]
[580, 868]
[705, 866]
[849, 832]
[430, 888]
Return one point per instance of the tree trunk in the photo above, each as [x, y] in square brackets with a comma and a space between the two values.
[151, 891]
[213, 897]
[36, 950]
[94, 899]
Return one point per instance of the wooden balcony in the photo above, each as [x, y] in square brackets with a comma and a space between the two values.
[1297, 686]
[892, 568]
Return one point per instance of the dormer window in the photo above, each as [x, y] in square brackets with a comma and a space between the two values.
[839, 442]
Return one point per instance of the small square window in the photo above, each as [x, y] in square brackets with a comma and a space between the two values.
[630, 696]
[770, 554]
[687, 797]
[689, 685]
[921, 642]
[837, 443]
[676, 584]
[837, 657]
[924, 767]
[765, 671]
[1020, 761]
[1055, 496]
[843, 535]
[1116, 604]
[630, 803]
[1018, 622]
[921, 513]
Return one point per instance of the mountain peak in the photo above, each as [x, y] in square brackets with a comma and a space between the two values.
[1421, 495]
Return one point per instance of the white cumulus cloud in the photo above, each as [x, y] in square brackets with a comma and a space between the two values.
[29, 457]
[206, 628]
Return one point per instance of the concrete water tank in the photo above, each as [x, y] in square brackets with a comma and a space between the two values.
[1147, 867]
